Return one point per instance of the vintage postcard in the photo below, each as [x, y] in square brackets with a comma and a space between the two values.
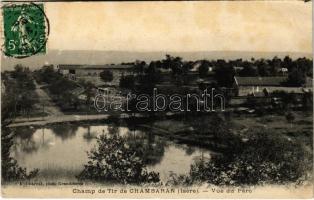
[156, 99]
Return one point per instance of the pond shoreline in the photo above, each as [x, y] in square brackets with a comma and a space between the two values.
[140, 121]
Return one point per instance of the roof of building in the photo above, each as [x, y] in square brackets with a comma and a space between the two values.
[267, 81]
[260, 81]
[107, 66]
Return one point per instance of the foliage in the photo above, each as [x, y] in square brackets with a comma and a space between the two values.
[59, 87]
[89, 88]
[296, 78]
[288, 98]
[10, 170]
[23, 77]
[19, 90]
[248, 70]
[117, 161]
[148, 80]
[203, 69]
[106, 76]
[47, 74]
[263, 159]
[152, 148]
[139, 66]
[224, 71]
[263, 69]
[224, 74]
[127, 82]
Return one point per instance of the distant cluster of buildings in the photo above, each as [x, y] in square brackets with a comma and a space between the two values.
[92, 72]
[243, 85]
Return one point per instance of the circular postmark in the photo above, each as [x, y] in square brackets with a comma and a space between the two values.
[26, 29]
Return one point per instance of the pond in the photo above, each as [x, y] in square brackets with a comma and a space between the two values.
[60, 151]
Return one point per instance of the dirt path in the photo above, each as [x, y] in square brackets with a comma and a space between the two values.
[46, 101]
[40, 121]
[55, 115]
[45, 105]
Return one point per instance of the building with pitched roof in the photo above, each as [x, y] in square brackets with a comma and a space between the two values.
[92, 72]
[256, 85]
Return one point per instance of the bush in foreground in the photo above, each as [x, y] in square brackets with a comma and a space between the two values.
[116, 161]
[263, 159]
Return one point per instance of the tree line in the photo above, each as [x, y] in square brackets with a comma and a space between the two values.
[17, 98]
[223, 71]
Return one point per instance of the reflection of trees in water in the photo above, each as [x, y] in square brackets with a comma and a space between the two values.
[24, 140]
[88, 136]
[25, 132]
[200, 154]
[152, 147]
[64, 131]
[28, 146]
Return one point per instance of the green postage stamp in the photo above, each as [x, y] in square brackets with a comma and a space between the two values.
[25, 29]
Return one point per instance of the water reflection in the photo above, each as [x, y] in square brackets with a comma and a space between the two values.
[64, 131]
[60, 150]
[25, 143]
[153, 147]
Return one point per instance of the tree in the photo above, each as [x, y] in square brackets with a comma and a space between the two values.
[263, 69]
[139, 67]
[127, 82]
[106, 76]
[177, 66]
[296, 78]
[174, 63]
[118, 161]
[89, 89]
[254, 162]
[47, 74]
[21, 88]
[10, 170]
[275, 65]
[248, 70]
[61, 86]
[166, 63]
[224, 75]
[153, 73]
[287, 63]
[203, 69]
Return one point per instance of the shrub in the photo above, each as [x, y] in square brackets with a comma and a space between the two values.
[106, 76]
[127, 82]
[116, 161]
[10, 169]
[263, 159]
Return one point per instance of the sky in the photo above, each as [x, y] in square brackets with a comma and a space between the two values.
[269, 26]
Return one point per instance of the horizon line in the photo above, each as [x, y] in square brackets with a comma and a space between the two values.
[176, 51]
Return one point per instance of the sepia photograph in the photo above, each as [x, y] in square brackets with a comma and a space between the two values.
[156, 99]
